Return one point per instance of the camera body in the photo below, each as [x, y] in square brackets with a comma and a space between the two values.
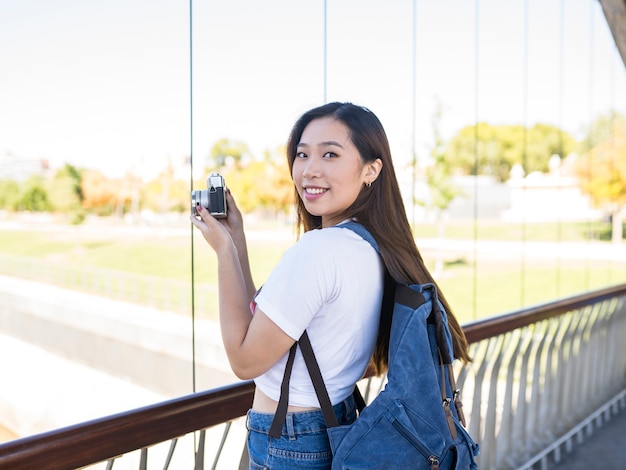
[213, 199]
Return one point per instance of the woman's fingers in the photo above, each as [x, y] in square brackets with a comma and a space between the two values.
[232, 205]
[212, 229]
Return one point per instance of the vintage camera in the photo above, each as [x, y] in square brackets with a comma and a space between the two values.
[212, 199]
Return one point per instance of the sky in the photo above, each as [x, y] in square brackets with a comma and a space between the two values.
[126, 85]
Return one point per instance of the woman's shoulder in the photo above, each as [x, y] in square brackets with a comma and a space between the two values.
[332, 242]
[335, 235]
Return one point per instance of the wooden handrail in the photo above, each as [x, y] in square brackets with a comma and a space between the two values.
[104, 438]
[494, 326]
[101, 439]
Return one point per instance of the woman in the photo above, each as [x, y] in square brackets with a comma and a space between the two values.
[330, 283]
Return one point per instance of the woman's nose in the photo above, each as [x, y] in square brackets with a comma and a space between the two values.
[311, 168]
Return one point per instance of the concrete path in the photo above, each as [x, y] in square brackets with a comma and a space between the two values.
[604, 449]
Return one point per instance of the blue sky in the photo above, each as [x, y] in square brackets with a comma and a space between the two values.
[107, 84]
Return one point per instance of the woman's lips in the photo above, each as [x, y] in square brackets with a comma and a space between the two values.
[312, 193]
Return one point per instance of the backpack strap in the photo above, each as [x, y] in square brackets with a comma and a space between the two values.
[445, 400]
[276, 429]
[318, 384]
[362, 232]
[318, 381]
[456, 396]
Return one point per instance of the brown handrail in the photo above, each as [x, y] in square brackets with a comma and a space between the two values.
[104, 438]
[101, 439]
[494, 326]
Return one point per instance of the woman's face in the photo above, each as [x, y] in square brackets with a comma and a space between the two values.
[328, 171]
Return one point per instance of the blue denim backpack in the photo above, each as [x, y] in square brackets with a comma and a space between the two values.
[417, 421]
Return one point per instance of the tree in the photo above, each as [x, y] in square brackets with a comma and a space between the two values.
[66, 193]
[281, 192]
[9, 195]
[167, 193]
[226, 152]
[602, 170]
[34, 197]
[65, 189]
[439, 180]
[100, 194]
[264, 184]
[493, 150]
[439, 173]
[104, 197]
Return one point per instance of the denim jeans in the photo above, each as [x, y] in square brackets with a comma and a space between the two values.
[303, 444]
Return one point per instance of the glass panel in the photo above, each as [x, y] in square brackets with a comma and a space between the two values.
[113, 112]
[95, 257]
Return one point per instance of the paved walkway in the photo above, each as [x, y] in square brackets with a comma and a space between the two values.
[604, 449]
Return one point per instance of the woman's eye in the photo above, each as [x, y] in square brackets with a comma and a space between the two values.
[300, 155]
[330, 155]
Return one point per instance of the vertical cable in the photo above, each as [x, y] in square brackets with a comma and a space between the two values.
[524, 154]
[613, 163]
[559, 228]
[414, 110]
[476, 118]
[590, 140]
[325, 52]
[193, 283]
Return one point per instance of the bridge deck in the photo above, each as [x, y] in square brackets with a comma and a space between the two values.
[605, 448]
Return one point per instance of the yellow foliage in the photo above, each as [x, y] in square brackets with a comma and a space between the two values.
[603, 172]
[98, 190]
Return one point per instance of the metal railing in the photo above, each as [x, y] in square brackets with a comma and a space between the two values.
[538, 375]
[539, 372]
[152, 291]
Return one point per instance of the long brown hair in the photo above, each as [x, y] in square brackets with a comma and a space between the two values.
[380, 209]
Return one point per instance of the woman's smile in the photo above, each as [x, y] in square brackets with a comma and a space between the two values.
[311, 192]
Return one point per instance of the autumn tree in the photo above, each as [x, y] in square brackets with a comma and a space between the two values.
[602, 169]
[262, 184]
[167, 193]
[281, 192]
[100, 194]
[129, 195]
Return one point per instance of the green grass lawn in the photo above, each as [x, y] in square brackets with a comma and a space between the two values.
[543, 231]
[495, 287]
[160, 255]
[474, 289]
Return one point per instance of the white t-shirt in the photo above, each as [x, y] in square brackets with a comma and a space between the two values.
[330, 284]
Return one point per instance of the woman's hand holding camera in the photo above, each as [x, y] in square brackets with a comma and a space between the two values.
[221, 232]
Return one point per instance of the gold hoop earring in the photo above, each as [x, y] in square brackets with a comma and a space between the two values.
[368, 184]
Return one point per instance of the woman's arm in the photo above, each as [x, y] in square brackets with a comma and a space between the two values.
[234, 225]
[253, 343]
